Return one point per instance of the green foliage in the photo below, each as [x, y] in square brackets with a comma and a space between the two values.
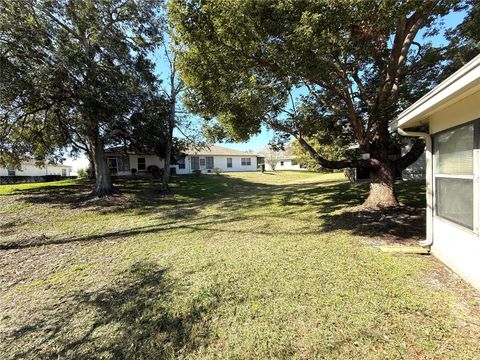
[465, 39]
[330, 149]
[85, 173]
[72, 72]
[315, 70]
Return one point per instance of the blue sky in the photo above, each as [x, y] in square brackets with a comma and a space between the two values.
[259, 141]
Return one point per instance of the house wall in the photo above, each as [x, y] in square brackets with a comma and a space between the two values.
[456, 246]
[287, 165]
[133, 160]
[33, 170]
[465, 110]
[415, 171]
[220, 161]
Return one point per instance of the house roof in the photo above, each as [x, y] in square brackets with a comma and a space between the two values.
[461, 84]
[33, 162]
[217, 150]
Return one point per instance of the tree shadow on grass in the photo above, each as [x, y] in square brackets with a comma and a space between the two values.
[132, 319]
[338, 208]
[142, 195]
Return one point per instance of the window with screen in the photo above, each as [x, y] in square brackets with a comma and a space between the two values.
[209, 161]
[11, 172]
[453, 150]
[202, 162]
[246, 162]
[229, 163]
[195, 163]
[181, 163]
[141, 164]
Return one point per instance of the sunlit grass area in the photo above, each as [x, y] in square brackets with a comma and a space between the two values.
[238, 266]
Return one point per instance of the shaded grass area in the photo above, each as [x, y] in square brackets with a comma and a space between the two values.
[236, 266]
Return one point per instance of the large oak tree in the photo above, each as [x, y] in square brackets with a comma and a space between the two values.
[293, 64]
[72, 73]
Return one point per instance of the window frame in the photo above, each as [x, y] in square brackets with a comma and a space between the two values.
[245, 162]
[229, 162]
[181, 163]
[144, 164]
[193, 165]
[11, 172]
[474, 177]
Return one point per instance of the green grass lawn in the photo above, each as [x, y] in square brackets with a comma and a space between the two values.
[240, 266]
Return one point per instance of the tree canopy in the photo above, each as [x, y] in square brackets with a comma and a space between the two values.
[293, 64]
[72, 72]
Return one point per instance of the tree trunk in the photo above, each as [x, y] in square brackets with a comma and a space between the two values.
[103, 180]
[166, 165]
[91, 161]
[168, 150]
[382, 194]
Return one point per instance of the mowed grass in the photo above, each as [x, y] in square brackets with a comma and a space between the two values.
[239, 266]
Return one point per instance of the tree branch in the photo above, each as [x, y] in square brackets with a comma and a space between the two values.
[411, 156]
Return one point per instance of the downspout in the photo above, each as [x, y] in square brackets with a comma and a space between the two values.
[428, 179]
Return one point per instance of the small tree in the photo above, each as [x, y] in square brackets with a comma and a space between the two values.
[272, 157]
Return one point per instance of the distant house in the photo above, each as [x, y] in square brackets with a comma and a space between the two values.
[31, 171]
[204, 159]
[219, 157]
[451, 113]
[287, 162]
[121, 162]
[416, 170]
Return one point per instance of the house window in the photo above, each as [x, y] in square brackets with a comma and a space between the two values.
[113, 164]
[202, 162]
[181, 163]
[141, 164]
[209, 160]
[64, 172]
[282, 163]
[246, 161]
[454, 175]
[11, 172]
[229, 163]
[195, 163]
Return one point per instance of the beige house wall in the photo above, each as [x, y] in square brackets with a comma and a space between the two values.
[462, 111]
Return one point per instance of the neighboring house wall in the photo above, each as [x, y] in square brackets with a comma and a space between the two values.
[122, 164]
[30, 169]
[221, 162]
[284, 164]
[415, 171]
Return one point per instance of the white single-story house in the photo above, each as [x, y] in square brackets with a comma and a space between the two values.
[216, 157]
[205, 159]
[30, 168]
[286, 162]
[451, 112]
[121, 162]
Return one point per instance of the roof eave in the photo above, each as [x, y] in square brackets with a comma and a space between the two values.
[460, 84]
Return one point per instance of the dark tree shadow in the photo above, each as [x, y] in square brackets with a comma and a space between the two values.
[402, 225]
[336, 203]
[338, 208]
[132, 320]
